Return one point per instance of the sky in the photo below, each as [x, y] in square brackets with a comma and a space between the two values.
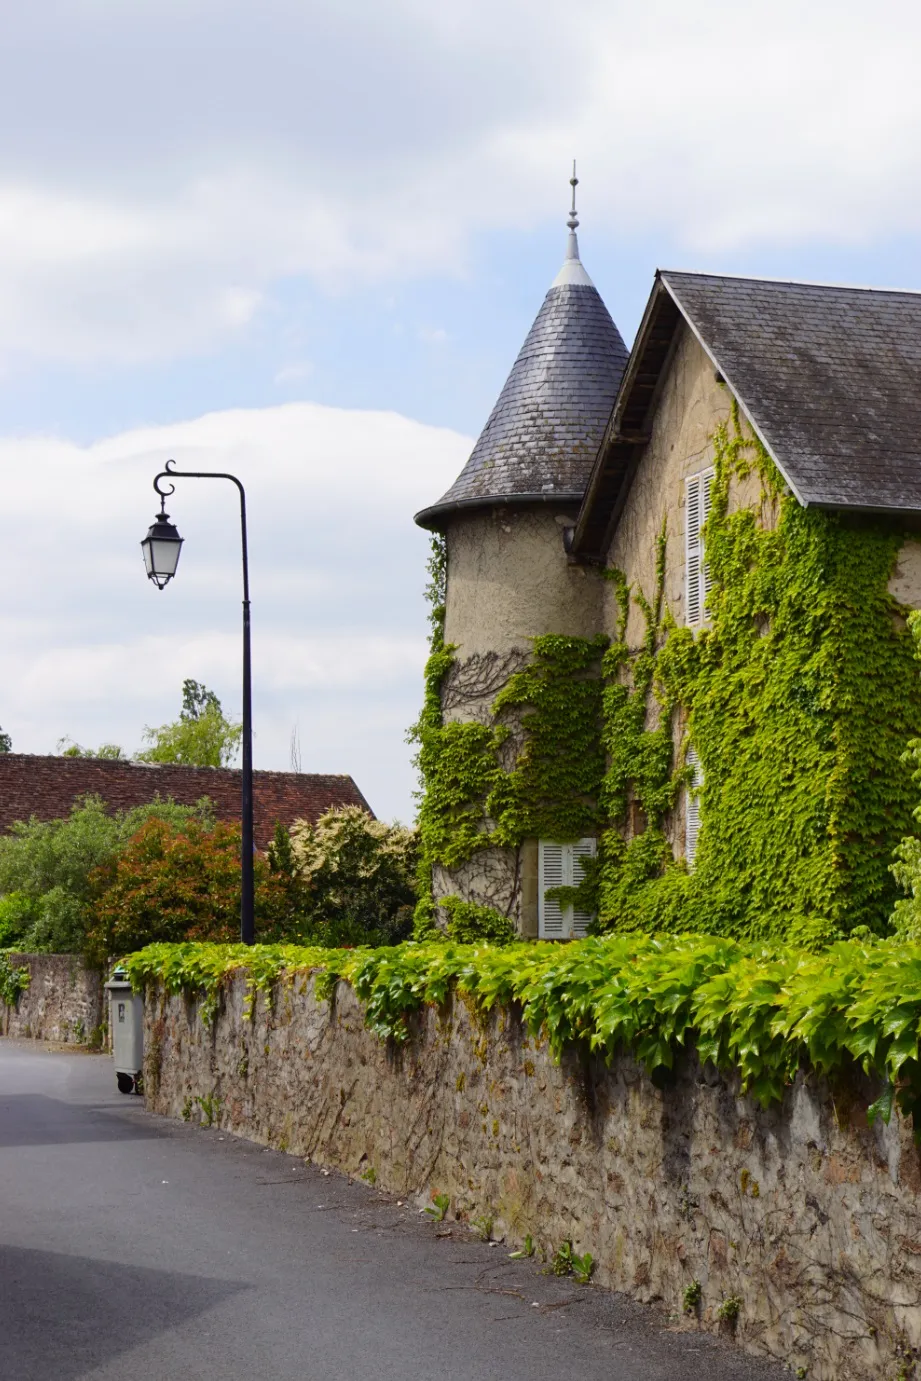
[303, 240]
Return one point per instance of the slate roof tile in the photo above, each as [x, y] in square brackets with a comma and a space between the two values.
[830, 377]
[543, 434]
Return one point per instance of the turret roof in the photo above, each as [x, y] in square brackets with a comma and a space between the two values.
[543, 434]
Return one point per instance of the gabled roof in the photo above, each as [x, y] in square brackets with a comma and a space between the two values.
[47, 787]
[828, 377]
[544, 432]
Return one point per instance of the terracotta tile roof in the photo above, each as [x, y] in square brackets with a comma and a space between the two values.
[46, 787]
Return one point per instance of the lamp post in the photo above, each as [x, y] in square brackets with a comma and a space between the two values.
[161, 548]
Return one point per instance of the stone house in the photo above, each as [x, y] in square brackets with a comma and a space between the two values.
[717, 530]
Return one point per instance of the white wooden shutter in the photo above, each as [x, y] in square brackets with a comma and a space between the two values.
[580, 852]
[693, 555]
[698, 498]
[551, 924]
[706, 498]
[561, 865]
[692, 808]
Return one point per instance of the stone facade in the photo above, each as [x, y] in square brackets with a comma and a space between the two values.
[802, 1217]
[508, 581]
[63, 1002]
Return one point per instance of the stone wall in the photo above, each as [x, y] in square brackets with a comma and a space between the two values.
[804, 1215]
[63, 1002]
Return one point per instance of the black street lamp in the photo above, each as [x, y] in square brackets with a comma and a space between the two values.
[161, 548]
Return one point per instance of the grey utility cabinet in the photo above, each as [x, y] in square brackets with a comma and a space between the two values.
[126, 1023]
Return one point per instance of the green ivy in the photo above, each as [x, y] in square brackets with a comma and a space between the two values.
[469, 922]
[763, 1012]
[799, 697]
[14, 980]
[469, 800]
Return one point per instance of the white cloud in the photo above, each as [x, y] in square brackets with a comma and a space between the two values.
[92, 651]
[162, 166]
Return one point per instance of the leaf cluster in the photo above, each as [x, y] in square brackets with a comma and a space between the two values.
[763, 1012]
[799, 697]
[46, 868]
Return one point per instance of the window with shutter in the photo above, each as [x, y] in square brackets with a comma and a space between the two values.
[698, 495]
[561, 865]
[580, 852]
[692, 807]
[550, 870]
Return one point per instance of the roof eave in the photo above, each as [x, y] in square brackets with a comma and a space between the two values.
[434, 517]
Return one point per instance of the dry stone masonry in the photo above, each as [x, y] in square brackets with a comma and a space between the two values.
[63, 1002]
[803, 1219]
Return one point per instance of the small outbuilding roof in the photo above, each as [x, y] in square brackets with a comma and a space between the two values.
[544, 432]
[828, 377]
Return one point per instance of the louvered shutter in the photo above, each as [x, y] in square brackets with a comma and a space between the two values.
[692, 808]
[706, 496]
[580, 852]
[550, 870]
[693, 555]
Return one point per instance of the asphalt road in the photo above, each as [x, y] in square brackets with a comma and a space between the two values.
[131, 1246]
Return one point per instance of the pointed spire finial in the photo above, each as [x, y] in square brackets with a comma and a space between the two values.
[573, 221]
[572, 271]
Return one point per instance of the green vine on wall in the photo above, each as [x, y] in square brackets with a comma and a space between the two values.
[470, 800]
[14, 980]
[799, 697]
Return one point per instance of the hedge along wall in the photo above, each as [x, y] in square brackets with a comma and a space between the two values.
[63, 1001]
[801, 1223]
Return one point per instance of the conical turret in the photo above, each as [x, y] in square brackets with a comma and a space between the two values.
[544, 432]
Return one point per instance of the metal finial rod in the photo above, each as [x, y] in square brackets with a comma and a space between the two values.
[573, 182]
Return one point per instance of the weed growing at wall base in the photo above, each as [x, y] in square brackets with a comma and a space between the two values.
[763, 1011]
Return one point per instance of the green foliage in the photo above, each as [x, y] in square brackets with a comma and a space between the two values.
[728, 1311]
[567, 1262]
[469, 800]
[439, 1206]
[691, 1297]
[551, 791]
[13, 980]
[483, 1226]
[356, 877]
[6, 743]
[202, 736]
[469, 922]
[799, 698]
[173, 881]
[68, 749]
[526, 1251]
[764, 1012]
[46, 866]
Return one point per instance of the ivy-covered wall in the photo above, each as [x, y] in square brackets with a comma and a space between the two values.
[529, 767]
[800, 697]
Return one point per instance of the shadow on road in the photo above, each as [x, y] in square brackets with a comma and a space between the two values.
[62, 1316]
[33, 1119]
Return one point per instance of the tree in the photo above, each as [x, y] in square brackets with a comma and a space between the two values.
[68, 749]
[6, 743]
[359, 877]
[202, 736]
[182, 882]
[45, 868]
